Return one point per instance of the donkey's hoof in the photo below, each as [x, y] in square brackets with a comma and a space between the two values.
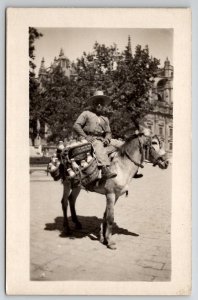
[112, 246]
[78, 226]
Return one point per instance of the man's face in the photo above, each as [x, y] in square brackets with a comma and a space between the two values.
[99, 108]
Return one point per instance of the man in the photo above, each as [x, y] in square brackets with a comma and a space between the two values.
[94, 127]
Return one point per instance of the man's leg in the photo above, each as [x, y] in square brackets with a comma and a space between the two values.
[103, 159]
[101, 154]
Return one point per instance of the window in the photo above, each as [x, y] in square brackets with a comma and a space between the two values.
[171, 132]
[160, 130]
[170, 146]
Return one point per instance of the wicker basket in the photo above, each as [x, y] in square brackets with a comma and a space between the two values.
[80, 152]
[90, 173]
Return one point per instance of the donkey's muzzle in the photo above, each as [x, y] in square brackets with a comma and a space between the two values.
[163, 164]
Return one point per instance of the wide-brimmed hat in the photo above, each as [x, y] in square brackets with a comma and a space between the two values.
[99, 98]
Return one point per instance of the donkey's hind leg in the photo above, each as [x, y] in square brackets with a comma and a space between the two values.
[72, 201]
[103, 227]
[64, 202]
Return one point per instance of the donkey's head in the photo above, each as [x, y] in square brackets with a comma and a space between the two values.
[157, 154]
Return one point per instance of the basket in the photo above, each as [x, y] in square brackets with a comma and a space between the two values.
[85, 175]
[90, 173]
[80, 152]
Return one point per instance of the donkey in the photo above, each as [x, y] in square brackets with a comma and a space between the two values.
[125, 163]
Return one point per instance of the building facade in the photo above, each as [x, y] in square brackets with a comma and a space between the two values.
[160, 120]
[45, 73]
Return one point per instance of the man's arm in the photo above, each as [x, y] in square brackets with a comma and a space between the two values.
[107, 133]
[78, 125]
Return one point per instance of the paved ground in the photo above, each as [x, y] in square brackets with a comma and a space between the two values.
[142, 232]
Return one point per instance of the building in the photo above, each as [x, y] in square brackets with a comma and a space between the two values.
[160, 120]
[47, 73]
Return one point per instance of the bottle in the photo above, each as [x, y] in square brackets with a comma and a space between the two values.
[74, 165]
[60, 145]
[57, 163]
[71, 173]
[51, 167]
[54, 159]
[89, 157]
[100, 174]
[83, 163]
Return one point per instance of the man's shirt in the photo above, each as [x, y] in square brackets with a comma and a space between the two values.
[93, 124]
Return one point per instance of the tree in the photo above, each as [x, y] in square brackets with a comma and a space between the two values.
[34, 96]
[133, 80]
[59, 104]
[33, 35]
[94, 69]
[125, 78]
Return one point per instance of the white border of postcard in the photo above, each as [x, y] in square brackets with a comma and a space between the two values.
[17, 141]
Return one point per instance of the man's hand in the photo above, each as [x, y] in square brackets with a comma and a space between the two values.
[90, 139]
[106, 142]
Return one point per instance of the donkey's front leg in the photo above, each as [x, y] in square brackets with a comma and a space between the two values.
[72, 201]
[108, 221]
[64, 202]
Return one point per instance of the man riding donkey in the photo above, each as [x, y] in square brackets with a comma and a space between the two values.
[95, 128]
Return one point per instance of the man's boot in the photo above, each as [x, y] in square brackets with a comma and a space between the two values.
[106, 173]
[137, 175]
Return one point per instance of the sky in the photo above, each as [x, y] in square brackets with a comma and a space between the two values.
[74, 41]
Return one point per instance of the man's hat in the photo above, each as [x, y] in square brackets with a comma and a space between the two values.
[99, 98]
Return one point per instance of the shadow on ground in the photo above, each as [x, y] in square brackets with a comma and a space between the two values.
[90, 228]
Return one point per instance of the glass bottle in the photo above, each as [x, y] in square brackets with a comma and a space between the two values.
[60, 145]
[74, 165]
[89, 157]
[100, 174]
[83, 163]
[51, 167]
[71, 173]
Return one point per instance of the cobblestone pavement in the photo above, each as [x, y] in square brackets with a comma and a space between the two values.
[141, 232]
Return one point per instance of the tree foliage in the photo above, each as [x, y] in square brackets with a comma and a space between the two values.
[60, 106]
[33, 35]
[34, 95]
[124, 77]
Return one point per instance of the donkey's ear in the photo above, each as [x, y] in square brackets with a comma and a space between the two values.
[146, 132]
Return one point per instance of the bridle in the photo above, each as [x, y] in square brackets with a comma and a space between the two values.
[141, 148]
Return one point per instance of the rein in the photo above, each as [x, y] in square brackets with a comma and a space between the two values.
[137, 164]
[141, 151]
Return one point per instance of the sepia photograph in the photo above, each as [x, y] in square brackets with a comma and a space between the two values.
[99, 122]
